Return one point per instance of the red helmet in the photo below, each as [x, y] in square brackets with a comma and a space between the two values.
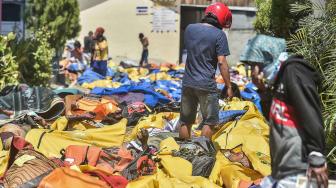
[221, 12]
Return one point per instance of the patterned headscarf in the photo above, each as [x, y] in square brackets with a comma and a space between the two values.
[263, 50]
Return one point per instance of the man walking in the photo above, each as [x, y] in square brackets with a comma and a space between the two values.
[207, 47]
[144, 55]
[297, 140]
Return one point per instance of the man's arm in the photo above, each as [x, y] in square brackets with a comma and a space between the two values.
[264, 92]
[224, 70]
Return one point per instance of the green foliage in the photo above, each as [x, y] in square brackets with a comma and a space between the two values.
[8, 66]
[34, 56]
[262, 23]
[59, 17]
[274, 17]
[316, 41]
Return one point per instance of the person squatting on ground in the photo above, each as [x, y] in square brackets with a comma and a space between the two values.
[297, 140]
[74, 61]
[207, 47]
[99, 52]
[145, 53]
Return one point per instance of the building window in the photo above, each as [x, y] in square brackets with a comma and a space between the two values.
[11, 12]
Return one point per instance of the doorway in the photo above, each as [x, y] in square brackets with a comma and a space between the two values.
[189, 15]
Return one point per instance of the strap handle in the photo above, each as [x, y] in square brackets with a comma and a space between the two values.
[42, 135]
[86, 161]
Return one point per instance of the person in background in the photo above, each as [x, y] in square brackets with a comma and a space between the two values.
[297, 140]
[99, 52]
[88, 43]
[77, 63]
[144, 55]
[74, 62]
[207, 47]
[66, 56]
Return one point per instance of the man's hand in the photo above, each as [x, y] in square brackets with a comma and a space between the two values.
[321, 175]
[257, 78]
[229, 93]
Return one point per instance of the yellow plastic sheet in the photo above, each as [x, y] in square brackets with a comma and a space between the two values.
[252, 132]
[241, 69]
[62, 123]
[101, 83]
[51, 143]
[112, 64]
[175, 172]
[4, 158]
[135, 73]
[160, 76]
[152, 121]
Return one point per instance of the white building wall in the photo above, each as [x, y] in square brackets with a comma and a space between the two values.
[122, 27]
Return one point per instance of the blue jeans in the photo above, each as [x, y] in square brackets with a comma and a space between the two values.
[144, 57]
[100, 67]
[289, 181]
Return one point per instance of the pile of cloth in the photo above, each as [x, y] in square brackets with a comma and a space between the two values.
[122, 131]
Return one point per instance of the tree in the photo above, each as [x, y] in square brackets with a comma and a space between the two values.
[274, 17]
[316, 41]
[8, 66]
[263, 21]
[59, 17]
[33, 56]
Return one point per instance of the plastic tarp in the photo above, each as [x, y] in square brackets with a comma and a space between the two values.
[67, 91]
[62, 123]
[250, 93]
[101, 83]
[173, 87]
[229, 115]
[156, 121]
[152, 98]
[251, 132]
[89, 76]
[51, 142]
[135, 74]
[169, 176]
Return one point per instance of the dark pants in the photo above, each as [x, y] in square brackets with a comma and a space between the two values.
[209, 106]
[99, 67]
[144, 57]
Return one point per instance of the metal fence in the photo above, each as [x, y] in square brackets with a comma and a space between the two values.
[241, 3]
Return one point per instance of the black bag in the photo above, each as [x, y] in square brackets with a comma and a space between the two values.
[201, 153]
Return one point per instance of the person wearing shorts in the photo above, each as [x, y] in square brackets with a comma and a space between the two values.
[207, 47]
